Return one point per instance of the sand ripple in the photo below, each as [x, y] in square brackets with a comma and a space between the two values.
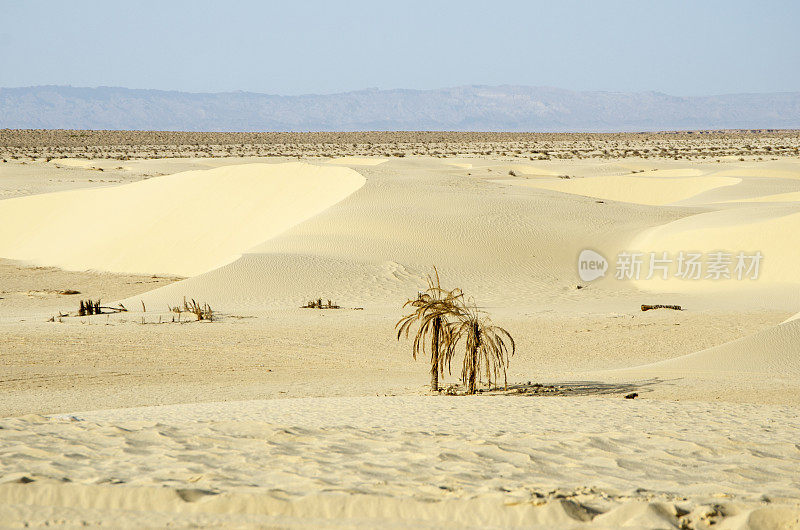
[517, 460]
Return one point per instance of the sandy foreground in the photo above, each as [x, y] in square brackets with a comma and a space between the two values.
[273, 415]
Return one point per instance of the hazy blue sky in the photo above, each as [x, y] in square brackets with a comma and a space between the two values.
[296, 47]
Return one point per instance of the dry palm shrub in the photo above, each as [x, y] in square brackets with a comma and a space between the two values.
[433, 310]
[488, 347]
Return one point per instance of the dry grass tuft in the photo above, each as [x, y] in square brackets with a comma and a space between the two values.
[202, 312]
[319, 304]
[93, 307]
[89, 307]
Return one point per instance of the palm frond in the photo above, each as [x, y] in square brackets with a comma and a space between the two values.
[488, 347]
[433, 309]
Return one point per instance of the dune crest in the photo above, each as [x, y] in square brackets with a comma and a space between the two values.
[650, 190]
[184, 224]
[791, 196]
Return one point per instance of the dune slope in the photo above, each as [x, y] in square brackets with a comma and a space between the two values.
[650, 190]
[182, 224]
[374, 248]
[772, 351]
[768, 229]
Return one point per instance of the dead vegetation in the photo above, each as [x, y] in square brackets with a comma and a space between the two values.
[488, 348]
[433, 311]
[319, 304]
[201, 312]
[646, 307]
[88, 307]
[93, 307]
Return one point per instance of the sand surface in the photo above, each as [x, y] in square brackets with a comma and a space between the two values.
[289, 417]
[411, 460]
[357, 161]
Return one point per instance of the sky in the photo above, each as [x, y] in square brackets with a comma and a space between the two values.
[683, 48]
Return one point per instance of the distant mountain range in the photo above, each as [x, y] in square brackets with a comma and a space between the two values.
[467, 108]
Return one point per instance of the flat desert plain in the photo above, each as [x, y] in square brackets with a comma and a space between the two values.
[275, 415]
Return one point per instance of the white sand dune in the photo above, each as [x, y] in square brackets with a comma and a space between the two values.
[770, 231]
[73, 162]
[772, 352]
[375, 247]
[357, 161]
[792, 196]
[650, 190]
[181, 224]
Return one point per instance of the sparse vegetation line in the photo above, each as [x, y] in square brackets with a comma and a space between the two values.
[126, 145]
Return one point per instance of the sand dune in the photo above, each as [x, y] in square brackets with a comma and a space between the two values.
[762, 172]
[668, 173]
[531, 170]
[77, 506]
[772, 352]
[91, 164]
[651, 190]
[357, 161]
[732, 231]
[409, 460]
[377, 245]
[181, 224]
[73, 162]
[792, 196]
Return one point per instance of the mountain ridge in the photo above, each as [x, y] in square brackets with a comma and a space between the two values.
[512, 108]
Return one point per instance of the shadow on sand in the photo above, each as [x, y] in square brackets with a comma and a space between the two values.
[576, 388]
